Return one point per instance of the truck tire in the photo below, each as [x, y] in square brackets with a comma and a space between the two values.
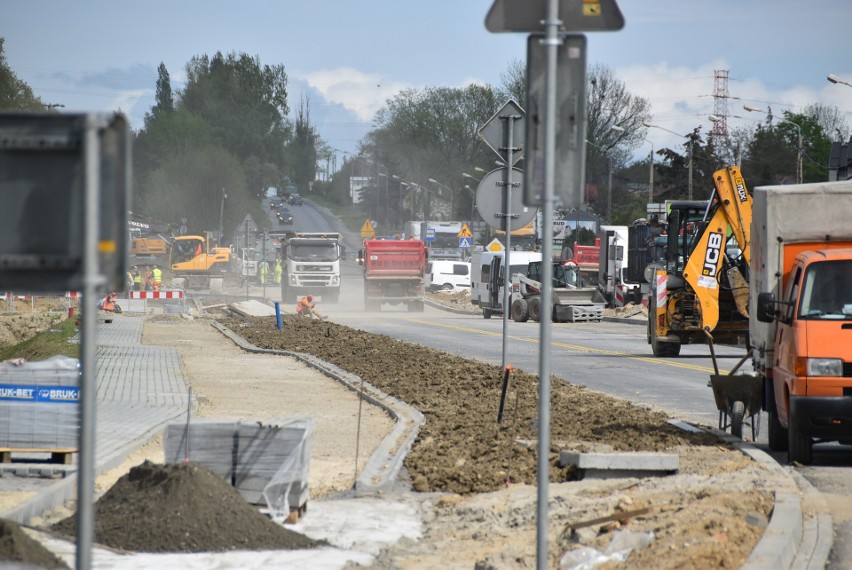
[800, 446]
[778, 438]
[659, 348]
[486, 313]
[520, 311]
[535, 308]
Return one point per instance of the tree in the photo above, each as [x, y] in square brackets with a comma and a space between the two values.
[163, 98]
[14, 93]
[303, 148]
[514, 83]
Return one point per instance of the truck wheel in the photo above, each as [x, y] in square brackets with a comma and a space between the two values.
[800, 446]
[486, 313]
[520, 311]
[777, 434]
[737, 413]
[662, 349]
[535, 308]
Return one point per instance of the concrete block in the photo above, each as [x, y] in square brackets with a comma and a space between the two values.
[617, 465]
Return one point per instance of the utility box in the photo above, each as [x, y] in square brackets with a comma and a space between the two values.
[39, 407]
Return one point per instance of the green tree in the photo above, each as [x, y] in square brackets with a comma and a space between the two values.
[15, 94]
[302, 151]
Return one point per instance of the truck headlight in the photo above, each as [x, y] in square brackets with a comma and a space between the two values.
[824, 367]
[335, 279]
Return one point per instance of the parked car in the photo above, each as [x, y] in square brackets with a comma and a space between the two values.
[447, 275]
[295, 200]
[285, 216]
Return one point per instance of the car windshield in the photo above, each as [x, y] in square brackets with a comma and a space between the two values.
[827, 291]
[314, 252]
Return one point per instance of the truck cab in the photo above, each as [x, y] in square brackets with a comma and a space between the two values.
[311, 265]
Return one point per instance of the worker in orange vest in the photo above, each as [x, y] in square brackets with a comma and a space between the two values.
[306, 308]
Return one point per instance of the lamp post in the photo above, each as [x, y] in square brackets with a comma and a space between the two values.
[401, 205]
[473, 194]
[221, 216]
[799, 149]
[834, 79]
[689, 137]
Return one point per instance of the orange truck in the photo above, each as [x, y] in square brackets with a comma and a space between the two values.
[800, 320]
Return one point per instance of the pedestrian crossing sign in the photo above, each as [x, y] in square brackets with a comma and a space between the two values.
[367, 230]
[464, 243]
[465, 232]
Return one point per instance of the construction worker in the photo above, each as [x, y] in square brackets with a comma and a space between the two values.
[157, 276]
[278, 271]
[306, 308]
[129, 278]
[108, 303]
[263, 272]
[149, 279]
[137, 279]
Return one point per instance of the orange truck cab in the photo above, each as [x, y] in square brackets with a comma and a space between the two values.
[801, 313]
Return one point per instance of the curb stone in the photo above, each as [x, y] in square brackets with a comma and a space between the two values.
[386, 462]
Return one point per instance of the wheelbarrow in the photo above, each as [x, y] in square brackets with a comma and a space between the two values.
[739, 398]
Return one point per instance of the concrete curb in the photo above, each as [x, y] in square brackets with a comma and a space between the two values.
[790, 540]
[386, 462]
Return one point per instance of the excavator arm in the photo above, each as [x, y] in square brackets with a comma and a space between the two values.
[732, 209]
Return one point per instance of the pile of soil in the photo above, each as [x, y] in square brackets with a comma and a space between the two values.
[461, 448]
[18, 327]
[182, 507]
[16, 546]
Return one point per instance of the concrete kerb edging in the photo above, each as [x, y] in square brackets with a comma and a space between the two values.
[432, 303]
[386, 462]
[65, 490]
[783, 544]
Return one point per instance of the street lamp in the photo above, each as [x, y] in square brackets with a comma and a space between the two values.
[401, 184]
[799, 149]
[691, 142]
[477, 169]
[472, 200]
[221, 217]
[834, 79]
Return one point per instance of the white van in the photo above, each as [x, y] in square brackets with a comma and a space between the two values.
[486, 283]
[447, 275]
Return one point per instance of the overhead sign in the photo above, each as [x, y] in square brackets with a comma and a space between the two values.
[496, 135]
[570, 157]
[574, 16]
[367, 230]
[464, 243]
[465, 232]
[495, 245]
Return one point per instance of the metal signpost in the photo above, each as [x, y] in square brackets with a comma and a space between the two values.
[551, 17]
[499, 132]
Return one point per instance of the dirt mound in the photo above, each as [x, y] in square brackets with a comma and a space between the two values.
[182, 507]
[461, 448]
[18, 327]
[17, 546]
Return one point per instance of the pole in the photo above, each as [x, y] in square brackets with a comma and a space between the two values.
[691, 143]
[552, 42]
[609, 191]
[651, 176]
[507, 226]
[88, 353]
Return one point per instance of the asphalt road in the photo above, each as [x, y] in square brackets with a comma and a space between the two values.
[609, 357]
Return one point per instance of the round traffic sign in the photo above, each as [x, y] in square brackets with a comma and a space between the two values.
[491, 200]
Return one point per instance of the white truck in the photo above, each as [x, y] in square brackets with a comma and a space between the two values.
[613, 268]
[442, 238]
[311, 265]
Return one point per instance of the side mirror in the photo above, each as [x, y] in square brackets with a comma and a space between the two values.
[765, 307]
[360, 257]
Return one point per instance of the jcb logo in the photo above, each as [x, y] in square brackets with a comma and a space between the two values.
[741, 190]
[711, 257]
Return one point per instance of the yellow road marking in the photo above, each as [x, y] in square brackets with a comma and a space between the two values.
[577, 347]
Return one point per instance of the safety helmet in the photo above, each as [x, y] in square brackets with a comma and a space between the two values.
[310, 297]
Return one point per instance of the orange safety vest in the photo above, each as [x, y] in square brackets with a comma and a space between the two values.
[303, 304]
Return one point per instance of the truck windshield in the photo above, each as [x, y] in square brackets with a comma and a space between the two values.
[827, 291]
[314, 252]
[445, 241]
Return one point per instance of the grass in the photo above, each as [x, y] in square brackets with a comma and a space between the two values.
[52, 342]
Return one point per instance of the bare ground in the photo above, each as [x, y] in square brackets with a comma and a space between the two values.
[474, 480]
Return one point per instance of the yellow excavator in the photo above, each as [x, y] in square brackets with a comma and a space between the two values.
[702, 292]
[202, 265]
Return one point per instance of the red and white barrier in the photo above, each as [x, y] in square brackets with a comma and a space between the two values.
[156, 294]
[619, 296]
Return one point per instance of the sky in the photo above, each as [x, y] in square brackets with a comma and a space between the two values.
[348, 58]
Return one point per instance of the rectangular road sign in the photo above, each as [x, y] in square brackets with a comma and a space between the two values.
[464, 243]
[570, 158]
